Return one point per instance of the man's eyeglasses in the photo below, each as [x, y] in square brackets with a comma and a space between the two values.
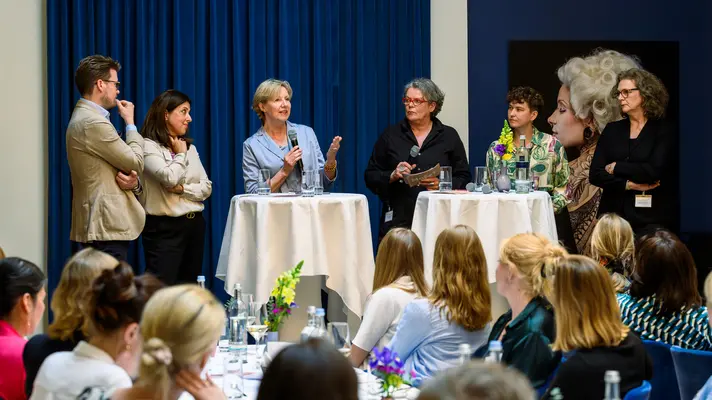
[415, 101]
[625, 92]
[116, 83]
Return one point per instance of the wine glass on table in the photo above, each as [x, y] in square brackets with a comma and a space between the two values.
[257, 326]
[338, 333]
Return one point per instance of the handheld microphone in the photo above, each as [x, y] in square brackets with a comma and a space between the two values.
[292, 134]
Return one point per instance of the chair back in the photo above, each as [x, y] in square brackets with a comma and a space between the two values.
[664, 380]
[642, 392]
[693, 368]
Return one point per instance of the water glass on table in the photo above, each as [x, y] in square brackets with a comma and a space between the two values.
[445, 179]
[233, 383]
[319, 182]
[480, 178]
[339, 335]
[263, 184]
[308, 183]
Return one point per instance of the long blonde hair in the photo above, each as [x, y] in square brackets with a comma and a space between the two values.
[612, 244]
[400, 254]
[531, 256]
[460, 285]
[585, 306]
[180, 325]
[78, 274]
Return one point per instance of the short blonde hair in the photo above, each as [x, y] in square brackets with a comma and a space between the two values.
[180, 325]
[400, 254]
[74, 287]
[460, 284]
[2, 254]
[531, 255]
[585, 306]
[265, 91]
[612, 240]
[590, 80]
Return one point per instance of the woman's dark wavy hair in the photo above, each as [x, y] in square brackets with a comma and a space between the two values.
[664, 267]
[117, 298]
[154, 126]
[17, 277]
[295, 370]
[652, 90]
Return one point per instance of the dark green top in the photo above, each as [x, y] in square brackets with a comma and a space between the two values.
[526, 345]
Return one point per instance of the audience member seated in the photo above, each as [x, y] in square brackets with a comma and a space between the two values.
[2, 254]
[612, 246]
[398, 280]
[477, 381]
[109, 358]
[22, 295]
[664, 304]
[457, 311]
[180, 326]
[527, 330]
[307, 371]
[66, 331]
[590, 333]
[706, 391]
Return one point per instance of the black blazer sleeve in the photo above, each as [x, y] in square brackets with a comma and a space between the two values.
[378, 174]
[661, 158]
[574, 381]
[461, 175]
[598, 175]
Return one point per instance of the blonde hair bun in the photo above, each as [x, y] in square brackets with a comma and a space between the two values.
[156, 353]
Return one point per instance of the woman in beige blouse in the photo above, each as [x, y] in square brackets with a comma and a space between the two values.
[175, 187]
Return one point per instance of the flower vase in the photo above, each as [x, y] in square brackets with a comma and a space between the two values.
[504, 184]
[272, 337]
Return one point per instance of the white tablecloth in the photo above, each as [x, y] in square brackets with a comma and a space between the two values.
[494, 216]
[267, 235]
[368, 385]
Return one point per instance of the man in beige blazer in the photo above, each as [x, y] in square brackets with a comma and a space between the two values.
[105, 211]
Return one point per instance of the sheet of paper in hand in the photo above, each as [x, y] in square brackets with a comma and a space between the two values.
[413, 180]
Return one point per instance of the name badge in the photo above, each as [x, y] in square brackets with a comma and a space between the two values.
[389, 216]
[643, 201]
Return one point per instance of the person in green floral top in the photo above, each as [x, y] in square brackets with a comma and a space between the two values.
[547, 157]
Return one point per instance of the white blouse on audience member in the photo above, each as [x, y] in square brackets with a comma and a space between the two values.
[66, 374]
[163, 169]
[383, 311]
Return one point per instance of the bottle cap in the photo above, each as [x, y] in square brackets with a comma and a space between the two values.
[612, 377]
[311, 309]
[320, 312]
[465, 348]
[238, 286]
[522, 137]
[495, 345]
[201, 278]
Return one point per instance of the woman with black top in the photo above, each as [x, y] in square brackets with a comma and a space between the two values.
[590, 334]
[527, 330]
[634, 162]
[416, 144]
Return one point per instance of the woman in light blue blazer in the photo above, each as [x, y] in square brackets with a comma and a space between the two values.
[270, 147]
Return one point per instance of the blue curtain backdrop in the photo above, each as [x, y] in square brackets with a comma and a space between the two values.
[346, 60]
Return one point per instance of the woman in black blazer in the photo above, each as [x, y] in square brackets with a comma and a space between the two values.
[635, 162]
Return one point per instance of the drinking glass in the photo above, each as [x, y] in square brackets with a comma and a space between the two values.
[263, 187]
[445, 179]
[338, 333]
[308, 183]
[257, 315]
[233, 383]
[319, 182]
[480, 180]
